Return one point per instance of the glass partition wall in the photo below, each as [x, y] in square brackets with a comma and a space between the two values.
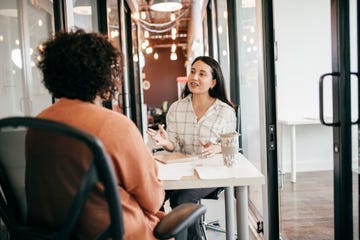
[234, 34]
[23, 26]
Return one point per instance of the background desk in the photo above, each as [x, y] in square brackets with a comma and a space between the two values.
[292, 124]
[246, 174]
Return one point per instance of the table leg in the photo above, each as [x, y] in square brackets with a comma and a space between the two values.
[242, 211]
[281, 156]
[230, 212]
[293, 154]
[280, 149]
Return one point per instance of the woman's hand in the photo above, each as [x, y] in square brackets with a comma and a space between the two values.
[209, 149]
[160, 138]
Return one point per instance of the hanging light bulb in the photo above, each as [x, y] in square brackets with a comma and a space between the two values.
[173, 33]
[149, 50]
[146, 34]
[156, 56]
[143, 15]
[173, 47]
[172, 16]
[173, 56]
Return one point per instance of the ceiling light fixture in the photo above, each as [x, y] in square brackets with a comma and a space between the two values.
[8, 8]
[166, 5]
[82, 7]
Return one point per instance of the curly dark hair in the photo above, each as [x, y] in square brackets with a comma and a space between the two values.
[218, 91]
[79, 65]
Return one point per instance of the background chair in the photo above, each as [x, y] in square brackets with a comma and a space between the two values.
[59, 142]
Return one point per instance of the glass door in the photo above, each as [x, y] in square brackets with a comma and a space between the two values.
[251, 102]
[317, 142]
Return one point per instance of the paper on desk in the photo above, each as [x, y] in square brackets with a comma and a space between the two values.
[175, 171]
[220, 172]
[213, 172]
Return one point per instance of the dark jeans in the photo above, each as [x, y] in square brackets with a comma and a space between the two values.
[177, 197]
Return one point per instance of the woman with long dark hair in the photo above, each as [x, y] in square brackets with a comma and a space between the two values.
[194, 124]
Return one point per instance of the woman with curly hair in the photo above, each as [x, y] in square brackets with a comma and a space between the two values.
[78, 67]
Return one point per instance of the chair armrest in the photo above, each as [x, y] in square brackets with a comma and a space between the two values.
[158, 149]
[178, 220]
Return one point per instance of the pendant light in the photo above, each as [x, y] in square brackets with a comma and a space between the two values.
[166, 5]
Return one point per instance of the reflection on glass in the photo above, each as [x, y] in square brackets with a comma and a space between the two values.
[83, 14]
[223, 40]
[250, 94]
[22, 28]
[114, 34]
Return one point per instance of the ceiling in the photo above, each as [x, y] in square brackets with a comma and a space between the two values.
[159, 24]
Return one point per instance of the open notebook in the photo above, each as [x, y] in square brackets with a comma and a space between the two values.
[174, 157]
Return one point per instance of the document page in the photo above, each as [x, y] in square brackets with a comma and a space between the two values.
[174, 157]
[175, 171]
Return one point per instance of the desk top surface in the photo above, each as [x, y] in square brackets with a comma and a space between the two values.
[209, 172]
[301, 121]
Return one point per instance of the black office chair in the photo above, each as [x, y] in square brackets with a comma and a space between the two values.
[59, 141]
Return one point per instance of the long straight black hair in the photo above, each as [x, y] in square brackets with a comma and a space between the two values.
[218, 91]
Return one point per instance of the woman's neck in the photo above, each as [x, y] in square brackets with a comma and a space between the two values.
[201, 103]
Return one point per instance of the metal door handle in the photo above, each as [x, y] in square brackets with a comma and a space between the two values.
[358, 119]
[321, 98]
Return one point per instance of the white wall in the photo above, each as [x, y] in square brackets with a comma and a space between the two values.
[302, 32]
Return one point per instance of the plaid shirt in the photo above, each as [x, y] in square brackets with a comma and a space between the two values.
[186, 131]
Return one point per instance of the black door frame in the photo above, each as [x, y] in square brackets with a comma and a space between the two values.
[270, 119]
[342, 148]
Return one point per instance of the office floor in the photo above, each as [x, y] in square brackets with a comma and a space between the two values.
[306, 208]
[216, 211]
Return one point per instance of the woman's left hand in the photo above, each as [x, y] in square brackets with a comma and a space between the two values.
[209, 149]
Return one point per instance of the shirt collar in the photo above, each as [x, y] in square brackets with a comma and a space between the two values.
[216, 104]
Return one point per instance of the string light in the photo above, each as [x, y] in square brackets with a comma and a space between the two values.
[146, 34]
[173, 47]
[173, 33]
[160, 31]
[149, 50]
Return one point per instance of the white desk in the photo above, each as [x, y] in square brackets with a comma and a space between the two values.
[292, 124]
[243, 175]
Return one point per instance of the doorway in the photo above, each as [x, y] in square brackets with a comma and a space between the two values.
[318, 164]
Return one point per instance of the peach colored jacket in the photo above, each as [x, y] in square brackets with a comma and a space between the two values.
[141, 191]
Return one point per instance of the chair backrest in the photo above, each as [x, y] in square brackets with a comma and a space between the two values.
[32, 155]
